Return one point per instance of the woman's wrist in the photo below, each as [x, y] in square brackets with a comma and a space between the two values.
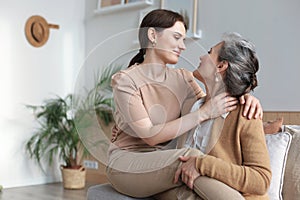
[202, 115]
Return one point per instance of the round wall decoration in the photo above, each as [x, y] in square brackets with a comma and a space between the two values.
[37, 30]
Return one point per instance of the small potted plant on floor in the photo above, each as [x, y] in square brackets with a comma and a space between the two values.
[57, 136]
[95, 113]
[59, 121]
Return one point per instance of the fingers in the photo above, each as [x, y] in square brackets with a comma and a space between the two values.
[187, 171]
[179, 170]
[218, 105]
[188, 177]
[252, 108]
[230, 104]
[248, 109]
[184, 158]
[224, 103]
[259, 112]
[242, 99]
[177, 174]
[190, 183]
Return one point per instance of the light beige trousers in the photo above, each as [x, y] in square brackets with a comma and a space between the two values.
[144, 174]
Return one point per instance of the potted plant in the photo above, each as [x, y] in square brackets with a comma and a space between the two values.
[95, 113]
[60, 119]
[99, 98]
[57, 136]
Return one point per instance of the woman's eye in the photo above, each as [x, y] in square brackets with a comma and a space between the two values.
[177, 36]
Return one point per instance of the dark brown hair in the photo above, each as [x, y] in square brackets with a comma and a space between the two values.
[158, 19]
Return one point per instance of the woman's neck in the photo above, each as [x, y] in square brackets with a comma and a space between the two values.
[152, 58]
[214, 88]
[153, 71]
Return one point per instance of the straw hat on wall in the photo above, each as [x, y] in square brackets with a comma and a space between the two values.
[37, 30]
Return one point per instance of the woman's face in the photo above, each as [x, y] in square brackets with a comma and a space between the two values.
[170, 43]
[208, 64]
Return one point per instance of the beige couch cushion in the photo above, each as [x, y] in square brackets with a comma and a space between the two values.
[291, 186]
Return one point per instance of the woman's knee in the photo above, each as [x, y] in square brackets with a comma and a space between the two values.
[212, 189]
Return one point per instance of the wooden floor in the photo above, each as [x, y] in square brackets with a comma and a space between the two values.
[53, 191]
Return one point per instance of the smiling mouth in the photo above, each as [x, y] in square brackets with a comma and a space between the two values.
[199, 65]
[177, 53]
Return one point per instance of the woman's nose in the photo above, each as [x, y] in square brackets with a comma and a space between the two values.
[182, 45]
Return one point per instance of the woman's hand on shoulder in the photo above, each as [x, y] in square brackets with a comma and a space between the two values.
[218, 105]
[252, 107]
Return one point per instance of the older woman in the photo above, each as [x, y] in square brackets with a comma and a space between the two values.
[235, 148]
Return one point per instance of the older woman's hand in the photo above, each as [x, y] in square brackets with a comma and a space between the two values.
[187, 170]
[252, 106]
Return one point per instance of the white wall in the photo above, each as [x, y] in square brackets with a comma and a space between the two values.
[29, 75]
[273, 26]
[109, 36]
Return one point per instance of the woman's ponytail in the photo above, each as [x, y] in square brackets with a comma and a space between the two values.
[138, 58]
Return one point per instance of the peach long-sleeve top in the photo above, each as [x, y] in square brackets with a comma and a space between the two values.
[153, 92]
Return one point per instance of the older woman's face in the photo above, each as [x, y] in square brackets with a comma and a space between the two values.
[208, 64]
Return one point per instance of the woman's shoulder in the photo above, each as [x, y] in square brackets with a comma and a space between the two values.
[121, 77]
[189, 79]
[184, 73]
[237, 116]
[238, 112]
[129, 77]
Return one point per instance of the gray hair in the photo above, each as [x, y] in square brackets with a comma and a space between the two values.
[240, 76]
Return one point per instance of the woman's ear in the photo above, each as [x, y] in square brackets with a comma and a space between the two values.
[222, 66]
[152, 34]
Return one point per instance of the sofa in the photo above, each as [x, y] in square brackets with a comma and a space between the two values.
[284, 150]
